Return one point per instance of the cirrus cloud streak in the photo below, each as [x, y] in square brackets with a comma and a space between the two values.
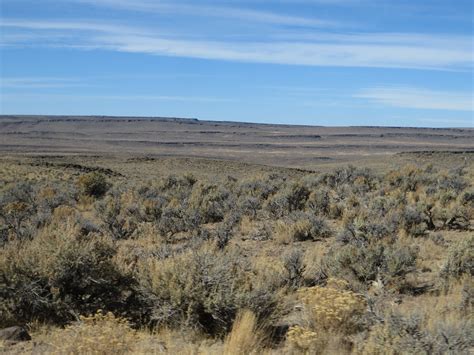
[416, 98]
[354, 50]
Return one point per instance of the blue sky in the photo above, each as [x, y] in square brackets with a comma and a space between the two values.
[317, 62]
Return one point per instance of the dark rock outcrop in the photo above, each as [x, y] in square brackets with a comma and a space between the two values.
[14, 334]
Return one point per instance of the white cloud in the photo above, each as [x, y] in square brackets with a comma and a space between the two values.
[202, 10]
[197, 99]
[38, 83]
[355, 50]
[419, 98]
[162, 98]
[89, 26]
[450, 122]
[381, 38]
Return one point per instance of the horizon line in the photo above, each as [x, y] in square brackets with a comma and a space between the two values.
[195, 119]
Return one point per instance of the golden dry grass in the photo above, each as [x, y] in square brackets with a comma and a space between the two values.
[244, 337]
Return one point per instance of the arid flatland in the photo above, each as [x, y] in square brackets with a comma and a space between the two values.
[275, 145]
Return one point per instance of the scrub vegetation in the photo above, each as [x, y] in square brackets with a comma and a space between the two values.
[344, 261]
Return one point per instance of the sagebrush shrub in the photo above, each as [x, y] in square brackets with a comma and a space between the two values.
[277, 205]
[93, 184]
[398, 335]
[319, 202]
[162, 255]
[414, 221]
[259, 188]
[118, 216]
[61, 274]
[406, 335]
[202, 289]
[460, 259]
[249, 206]
[406, 179]
[18, 207]
[173, 220]
[294, 268]
[210, 201]
[467, 198]
[300, 226]
[366, 263]
[297, 196]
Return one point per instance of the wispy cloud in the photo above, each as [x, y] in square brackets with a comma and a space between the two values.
[217, 11]
[151, 98]
[420, 52]
[202, 99]
[296, 90]
[86, 26]
[380, 38]
[449, 122]
[39, 83]
[417, 98]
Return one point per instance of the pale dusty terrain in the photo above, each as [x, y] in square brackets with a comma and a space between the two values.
[307, 147]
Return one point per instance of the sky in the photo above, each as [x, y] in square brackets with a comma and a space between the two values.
[310, 62]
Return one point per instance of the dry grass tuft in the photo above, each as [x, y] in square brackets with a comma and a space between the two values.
[244, 337]
[286, 233]
[96, 334]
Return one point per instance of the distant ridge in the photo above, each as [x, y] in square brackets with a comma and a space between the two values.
[191, 120]
[268, 144]
[100, 117]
